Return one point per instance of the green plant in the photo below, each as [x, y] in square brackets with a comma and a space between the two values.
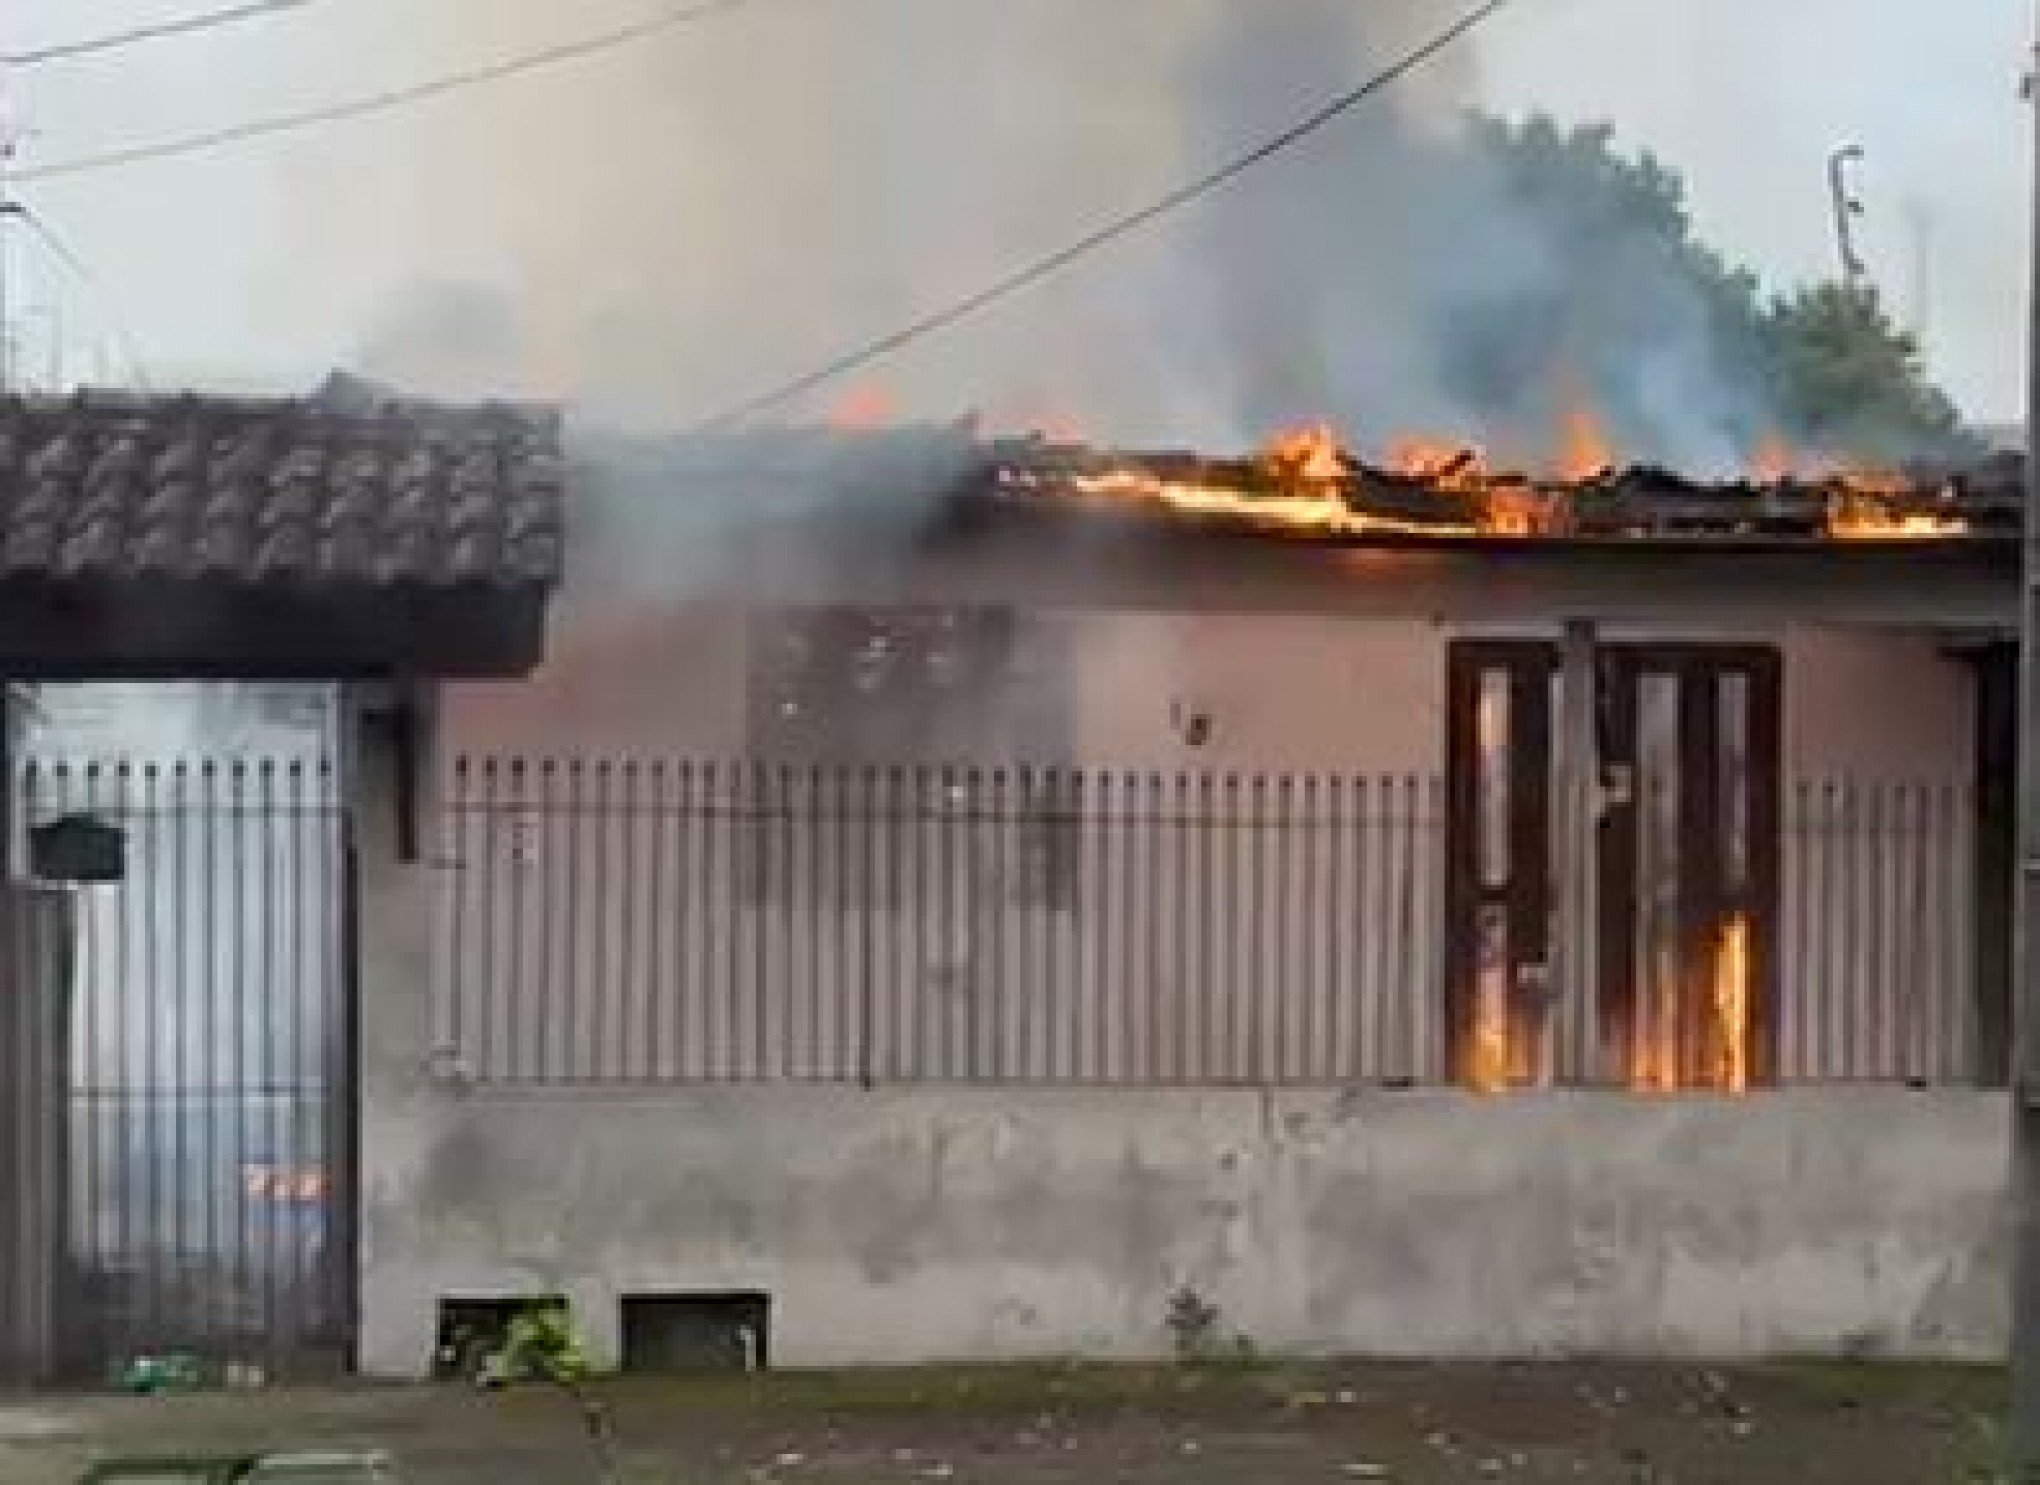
[539, 1345]
[1193, 1325]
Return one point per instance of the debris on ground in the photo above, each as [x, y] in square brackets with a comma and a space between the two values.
[1405, 1424]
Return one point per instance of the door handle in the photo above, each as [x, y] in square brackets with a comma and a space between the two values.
[1617, 790]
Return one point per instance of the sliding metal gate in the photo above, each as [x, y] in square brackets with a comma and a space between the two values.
[175, 1131]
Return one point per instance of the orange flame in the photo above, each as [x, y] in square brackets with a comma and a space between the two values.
[1487, 1054]
[1489, 1063]
[1584, 450]
[1505, 506]
[862, 409]
[1308, 485]
[1322, 512]
[1654, 1061]
[1311, 454]
[1453, 465]
[1729, 1006]
[1873, 484]
[1866, 509]
[1517, 510]
[1313, 470]
[1773, 461]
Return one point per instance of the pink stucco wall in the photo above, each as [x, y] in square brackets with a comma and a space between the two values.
[1278, 691]
[1866, 704]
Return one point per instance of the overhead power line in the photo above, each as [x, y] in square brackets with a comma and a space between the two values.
[161, 30]
[1110, 232]
[375, 103]
[82, 271]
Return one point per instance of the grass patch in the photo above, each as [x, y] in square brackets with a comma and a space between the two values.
[1967, 1390]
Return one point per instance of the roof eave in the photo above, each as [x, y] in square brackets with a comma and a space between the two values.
[167, 628]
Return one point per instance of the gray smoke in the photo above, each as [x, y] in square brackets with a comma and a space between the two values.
[744, 199]
[676, 227]
[1406, 279]
[1314, 273]
[679, 222]
[741, 201]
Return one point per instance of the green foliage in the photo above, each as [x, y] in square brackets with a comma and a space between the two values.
[1194, 1330]
[1847, 378]
[540, 1345]
[1193, 1324]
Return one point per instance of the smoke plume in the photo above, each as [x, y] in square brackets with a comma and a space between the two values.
[705, 215]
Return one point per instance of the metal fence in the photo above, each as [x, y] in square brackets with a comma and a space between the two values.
[176, 1113]
[1877, 932]
[623, 922]
[653, 922]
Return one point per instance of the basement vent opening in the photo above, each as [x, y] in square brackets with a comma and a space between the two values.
[664, 1334]
[473, 1330]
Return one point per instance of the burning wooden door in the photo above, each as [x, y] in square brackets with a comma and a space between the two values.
[1500, 1011]
[1674, 990]
[1688, 864]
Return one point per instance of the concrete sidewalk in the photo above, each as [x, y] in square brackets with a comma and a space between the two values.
[452, 1436]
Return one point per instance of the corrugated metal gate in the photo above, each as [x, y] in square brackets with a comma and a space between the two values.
[176, 1167]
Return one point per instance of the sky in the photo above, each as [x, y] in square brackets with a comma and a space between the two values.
[667, 228]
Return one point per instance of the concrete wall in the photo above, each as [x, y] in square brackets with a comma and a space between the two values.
[898, 1227]
[903, 1224]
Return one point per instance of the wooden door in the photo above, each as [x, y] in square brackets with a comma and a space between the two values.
[1685, 868]
[1688, 865]
[1500, 1012]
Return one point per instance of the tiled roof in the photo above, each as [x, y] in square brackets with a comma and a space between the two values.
[344, 490]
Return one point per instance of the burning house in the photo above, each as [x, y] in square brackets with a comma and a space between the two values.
[945, 896]
[941, 896]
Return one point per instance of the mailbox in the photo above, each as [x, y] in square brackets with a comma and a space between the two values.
[78, 849]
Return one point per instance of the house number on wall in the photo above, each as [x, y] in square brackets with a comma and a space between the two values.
[523, 839]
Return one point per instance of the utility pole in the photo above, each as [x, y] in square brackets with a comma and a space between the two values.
[2023, 1433]
[1847, 207]
[10, 211]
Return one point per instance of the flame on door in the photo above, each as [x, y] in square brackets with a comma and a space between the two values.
[1723, 1063]
[1729, 1071]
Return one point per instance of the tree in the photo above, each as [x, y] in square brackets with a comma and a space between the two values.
[1679, 347]
[1847, 378]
